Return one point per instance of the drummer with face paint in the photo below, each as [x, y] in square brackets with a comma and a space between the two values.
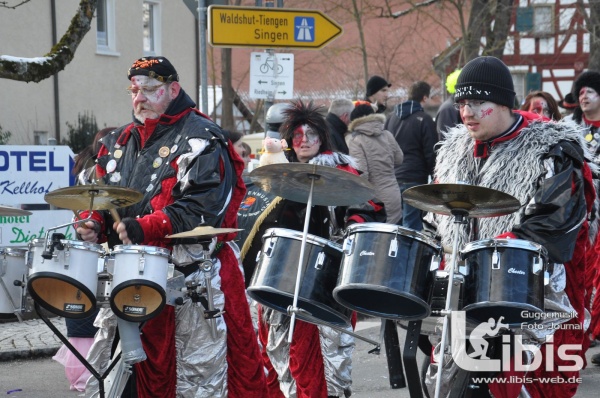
[190, 176]
[543, 165]
[317, 362]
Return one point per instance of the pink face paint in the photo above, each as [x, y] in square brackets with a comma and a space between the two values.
[486, 112]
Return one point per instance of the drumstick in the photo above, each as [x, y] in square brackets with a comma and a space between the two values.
[79, 223]
[115, 215]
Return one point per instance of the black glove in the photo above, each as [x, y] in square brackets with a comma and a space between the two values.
[134, 230]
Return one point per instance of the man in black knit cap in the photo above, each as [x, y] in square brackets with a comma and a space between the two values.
[377, 92]
[543, 166]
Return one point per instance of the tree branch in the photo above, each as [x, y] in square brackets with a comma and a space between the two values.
[40, 68]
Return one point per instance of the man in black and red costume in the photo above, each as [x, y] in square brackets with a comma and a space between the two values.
[542, 164]
[190, 176]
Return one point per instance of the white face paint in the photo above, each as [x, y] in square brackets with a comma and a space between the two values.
[589, 101]
[150, 97]
[306, 143]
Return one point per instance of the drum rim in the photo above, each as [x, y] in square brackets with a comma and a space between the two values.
[253, 290]
[12, 251]
[75, 244]
[504, 243]
[393, 228]
[297, 235]
[369, 287]
[128, 283]
[135, 249]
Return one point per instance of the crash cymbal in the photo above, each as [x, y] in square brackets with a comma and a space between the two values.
[332, 187]
[203, 232]
[12, 211]
[104, 197]
[476, 201]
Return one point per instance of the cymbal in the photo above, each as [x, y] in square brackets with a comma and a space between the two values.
[13, 211]
[476, 201]
[104, 197]
[203, 231]
[332, 187]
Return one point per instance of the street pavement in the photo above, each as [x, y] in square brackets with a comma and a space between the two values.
[32, 342]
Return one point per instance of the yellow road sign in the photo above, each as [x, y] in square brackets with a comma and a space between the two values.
[231, 26]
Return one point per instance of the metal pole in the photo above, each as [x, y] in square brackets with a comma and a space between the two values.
[203, 62]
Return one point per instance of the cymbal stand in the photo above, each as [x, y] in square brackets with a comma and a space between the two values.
[460, 216]
[198, 293]
[80, 357]
[294, 307]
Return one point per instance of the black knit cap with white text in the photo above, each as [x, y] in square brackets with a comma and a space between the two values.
[158, 68]
[487, 79]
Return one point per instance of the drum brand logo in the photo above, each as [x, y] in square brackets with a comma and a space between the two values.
[512, 351]
[74, 308]
[131, 310]
[366, 253]
[516, 271]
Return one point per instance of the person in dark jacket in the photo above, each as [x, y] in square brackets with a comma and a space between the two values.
[448, 117]
[416, 134]
[337, 120]
[377, 92]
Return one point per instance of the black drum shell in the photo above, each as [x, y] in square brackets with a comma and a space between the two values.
[374, 283]
[513, 290]
[274, 281]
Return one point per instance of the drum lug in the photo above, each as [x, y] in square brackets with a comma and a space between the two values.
[3, 265]
[269, 251]
[320, 261]
[495, 259]
[435, 263]
[393, 251]
[546, 278]
[67, 258]
[348, 246]
[141, 264]
[538, 265]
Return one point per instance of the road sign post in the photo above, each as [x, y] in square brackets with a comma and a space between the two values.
[231, 26]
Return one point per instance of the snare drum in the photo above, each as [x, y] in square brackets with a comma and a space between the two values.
[386, 271]
[12, 268]
[504, 277]
[139, 281]
[274, 281]
[65, 284]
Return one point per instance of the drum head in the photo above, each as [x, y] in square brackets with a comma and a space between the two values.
[61, 295]
[137, 300]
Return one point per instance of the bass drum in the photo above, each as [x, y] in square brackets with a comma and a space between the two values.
[274, 281]
[504, 278]
[386, 271]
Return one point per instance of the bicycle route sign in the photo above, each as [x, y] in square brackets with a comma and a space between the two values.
[231, 26]
[271, 75]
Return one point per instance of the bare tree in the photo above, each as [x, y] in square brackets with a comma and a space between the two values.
[593, 25]
[38, 69]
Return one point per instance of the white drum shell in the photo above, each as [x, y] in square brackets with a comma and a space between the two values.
[13, 268]
[78, 260]
[127, 264]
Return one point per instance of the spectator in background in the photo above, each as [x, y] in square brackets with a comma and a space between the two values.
[543, 104]
[416, 134]
[337, 120]
[376, 153]
[246, 155]
[568, 104]
[447, 116]
[586, 89]
[377, 92]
